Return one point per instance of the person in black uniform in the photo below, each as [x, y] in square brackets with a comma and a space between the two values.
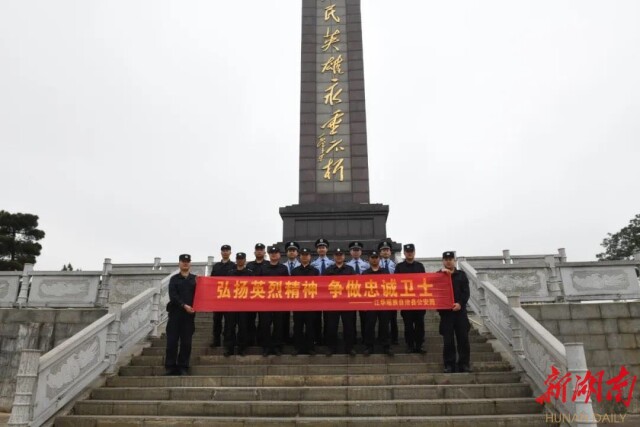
[455, 321]
[272, 337]
[384, 248]
[303, 321]
[291, 262]
[239, 320]
[383, 317]
[221, 268]
[255, 266]
[333, 317]
[413, 319]
[181, 323]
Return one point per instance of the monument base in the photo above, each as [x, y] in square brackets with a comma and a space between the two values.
[338, 223]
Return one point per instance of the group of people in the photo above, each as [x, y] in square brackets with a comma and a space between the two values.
[311, 328]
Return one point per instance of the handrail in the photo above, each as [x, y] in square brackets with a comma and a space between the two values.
[533, 347]
[47, 382]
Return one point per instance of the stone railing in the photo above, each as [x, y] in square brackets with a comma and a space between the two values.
[550, 278]
[48, 382]
[85, 289]
[533, 348]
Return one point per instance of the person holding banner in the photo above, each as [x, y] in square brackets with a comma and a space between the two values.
[291, 262]
[384, 248]
[239, 320]
[333, 317]
[272, 337]
[413, 319]
[321, 263]
[255, 266]
[455, 321]
[303, 321]
[181, 323]
[221, 268]
[370, 317]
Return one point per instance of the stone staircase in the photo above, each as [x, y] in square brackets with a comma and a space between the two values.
[290, 390]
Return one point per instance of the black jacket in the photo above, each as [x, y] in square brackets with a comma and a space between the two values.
[269, 269]
[404, 267]
[345, 270]
[379, 271]
[244, 272]
[222, 268]
[309, 270]
[181, 291]
[255, 266]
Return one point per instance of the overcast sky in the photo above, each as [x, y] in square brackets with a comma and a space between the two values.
[137, 129]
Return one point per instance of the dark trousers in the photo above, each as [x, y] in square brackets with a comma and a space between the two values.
[317, 327]
[368, 320]
[304, 330]
[235, 330]
[384, 323]
[180, 327]
[286, 326]
[413, 327]
[270, 328]
[455, 323]
[217, 326]
[250, 317]
[348, 328]
[394, 326]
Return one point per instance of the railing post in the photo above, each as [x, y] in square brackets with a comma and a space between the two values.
[209, 266]
[103, 291]
[506, 254]
[553, 284]
[24, 285]
[562, 252]
[483, 303]
[577, 365]
[113, 337]
[516, 333]
[156, 263]
[24, 400]
[155, 311]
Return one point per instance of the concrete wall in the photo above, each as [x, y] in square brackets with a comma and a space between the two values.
[41, 329]
[610, 333]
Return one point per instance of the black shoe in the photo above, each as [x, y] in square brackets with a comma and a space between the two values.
[265, 352]
[419, 350]
[449, 370]
[227, 352]
[312, 352]
[410, 349]
[351, 352]
[464, 368]
[367, 351]
[183, 371]
[295, 352]
[171, 371]
[388, 351]
[242, 352]
[328, 352]
[277, 351]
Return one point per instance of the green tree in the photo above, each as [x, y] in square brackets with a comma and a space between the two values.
[19, 235]
[69, 267]
[624, 243]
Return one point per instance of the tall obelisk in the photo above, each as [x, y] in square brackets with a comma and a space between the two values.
[334, 170]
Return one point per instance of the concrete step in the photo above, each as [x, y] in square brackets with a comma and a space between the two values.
[339, 408]
[312, 369]
[527, 420]
[409, 392]
[431, 347]
[424, 378]
[360, 359]
[203, 341]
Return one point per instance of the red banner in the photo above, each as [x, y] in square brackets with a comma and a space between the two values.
[421, 291]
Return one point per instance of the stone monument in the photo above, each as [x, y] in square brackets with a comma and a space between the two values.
[334, 171]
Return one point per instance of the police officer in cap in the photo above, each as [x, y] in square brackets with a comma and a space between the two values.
[455, 321]
[371, 317]
[413, 319]
[272, 337]
[384, 248]
[236, 330]
[322, 262]
[255, 266]
[291, 262]
[333, 317]
[221, 268]
[181, 323]
[303, 321]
